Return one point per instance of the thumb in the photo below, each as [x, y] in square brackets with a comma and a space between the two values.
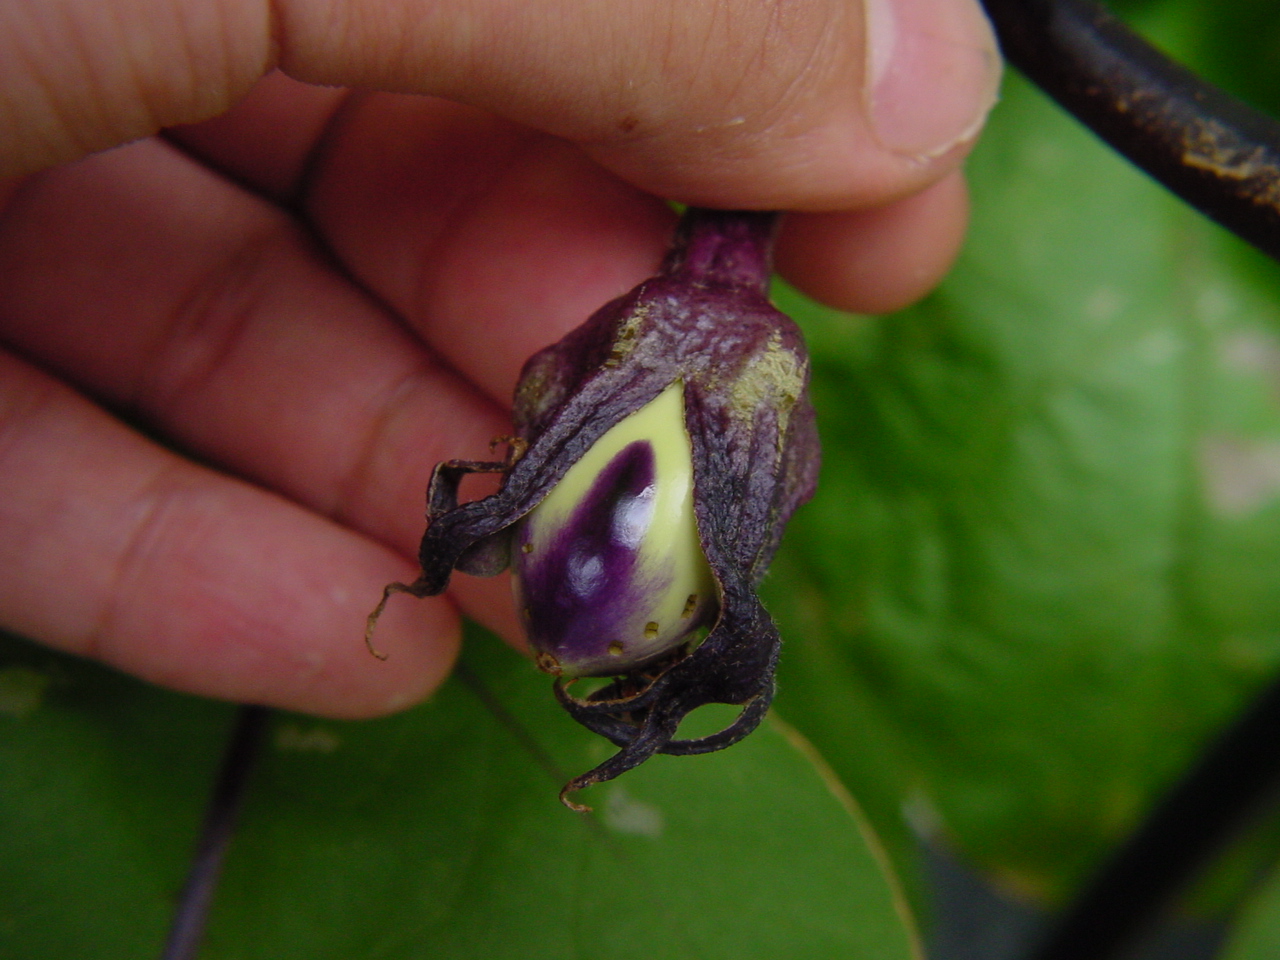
[790, 104]
[795, 104]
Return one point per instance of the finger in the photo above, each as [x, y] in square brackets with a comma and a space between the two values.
[809, 104]
[77, 77]
[817, 104]
[496, 248]
[266, 141]
[492, 240]
[880, 260]
[207, 313]
[395, 170]
[115, 548]
[8, 187]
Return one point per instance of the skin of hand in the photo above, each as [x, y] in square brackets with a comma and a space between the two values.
[263, 264]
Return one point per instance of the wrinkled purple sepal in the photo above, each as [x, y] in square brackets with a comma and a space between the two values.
[734, 665]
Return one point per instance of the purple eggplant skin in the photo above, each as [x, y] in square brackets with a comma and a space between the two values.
[704, 322]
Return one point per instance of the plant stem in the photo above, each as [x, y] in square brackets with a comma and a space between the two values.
[243, 747]
[733, 247]
[1215, 152]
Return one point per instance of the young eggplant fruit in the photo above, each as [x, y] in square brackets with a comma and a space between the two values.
[661, 448]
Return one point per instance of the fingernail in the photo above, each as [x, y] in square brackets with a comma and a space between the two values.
[933, 73]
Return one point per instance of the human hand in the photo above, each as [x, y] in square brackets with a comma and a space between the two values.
[319, 293]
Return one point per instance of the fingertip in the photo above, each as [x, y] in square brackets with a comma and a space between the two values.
[877, 260]
[294, 642]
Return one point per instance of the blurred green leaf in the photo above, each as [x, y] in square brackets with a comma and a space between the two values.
[436, 833]
[1041, 568]
[1257, 932]
[103, 783]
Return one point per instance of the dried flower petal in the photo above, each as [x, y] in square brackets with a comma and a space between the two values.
[702, 333]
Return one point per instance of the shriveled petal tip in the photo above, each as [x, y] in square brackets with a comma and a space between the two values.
[663, 446]
[734, 665]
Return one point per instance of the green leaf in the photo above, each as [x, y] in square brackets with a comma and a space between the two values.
[1041, 568]
[1256, 935]
[102, 786]
[435, 833]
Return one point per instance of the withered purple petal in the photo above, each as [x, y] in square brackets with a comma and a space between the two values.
[704, 322]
